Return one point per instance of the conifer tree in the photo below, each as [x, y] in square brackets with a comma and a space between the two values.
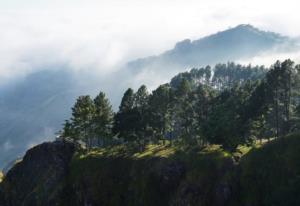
[103, 119]
[82, 116]
[127, 118]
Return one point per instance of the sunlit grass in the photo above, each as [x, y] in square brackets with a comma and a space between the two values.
[132, 151]
[156, 150]
[162, 150]
[1, 176]
[165, 149]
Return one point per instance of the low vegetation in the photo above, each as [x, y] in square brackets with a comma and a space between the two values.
[1, 176]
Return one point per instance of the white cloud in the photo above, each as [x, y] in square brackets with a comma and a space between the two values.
[269, 59]
[104, 33]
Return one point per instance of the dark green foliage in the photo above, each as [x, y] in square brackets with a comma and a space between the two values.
[91, 121]
[281, 82]
[227, 75]
[103, 118]
[229, 105]
[128, 120]
[195, 77]
[82, 115]
[68, 130]
[223, 125]
[142, 107]
[160, 104]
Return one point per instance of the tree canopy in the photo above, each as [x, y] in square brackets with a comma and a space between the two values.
[228, 105]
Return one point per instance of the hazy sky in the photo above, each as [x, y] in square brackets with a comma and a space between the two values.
[99, 34]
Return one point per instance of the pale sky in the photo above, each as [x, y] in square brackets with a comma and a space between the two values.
[101, 34]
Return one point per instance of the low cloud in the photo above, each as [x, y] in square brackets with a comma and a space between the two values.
[102, 35]
[268, 58]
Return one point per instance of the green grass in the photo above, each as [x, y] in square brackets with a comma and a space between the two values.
[1, 176]
[156, 150]
[159, 150]
[132, 151]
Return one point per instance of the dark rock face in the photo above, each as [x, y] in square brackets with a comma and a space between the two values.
[172, 173]
[213, 189]
[43, 179]
[190, 179]
[39, 178]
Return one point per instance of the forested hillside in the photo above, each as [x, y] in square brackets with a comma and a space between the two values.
[222, 136]
[32, 108]
[229, 105]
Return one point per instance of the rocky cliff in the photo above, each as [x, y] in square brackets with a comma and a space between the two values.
[39, 178]
[56, 174]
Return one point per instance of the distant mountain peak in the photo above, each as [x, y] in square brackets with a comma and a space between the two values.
[250, 29]
[183, 45]
[240, 42]
[246, 26]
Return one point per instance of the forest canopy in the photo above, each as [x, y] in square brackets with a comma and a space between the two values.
[229, 104]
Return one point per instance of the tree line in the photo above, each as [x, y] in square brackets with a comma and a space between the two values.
[229, 105]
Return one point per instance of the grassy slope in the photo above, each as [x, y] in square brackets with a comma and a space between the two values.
[1, 176]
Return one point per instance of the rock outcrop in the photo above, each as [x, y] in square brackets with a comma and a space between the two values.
[54, 174]
[38, 179]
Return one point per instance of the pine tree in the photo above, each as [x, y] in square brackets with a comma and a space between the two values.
[141, 98]
[82, 116]
[183, 110]
[142, 107]
[160, 102]
[68, 130]
[127, 118]
[103, 119]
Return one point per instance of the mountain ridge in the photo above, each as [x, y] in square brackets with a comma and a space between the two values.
[35, 95]
[241, 33]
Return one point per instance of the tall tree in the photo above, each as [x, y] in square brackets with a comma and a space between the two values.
[287, 72]
[68, 131]
[203, 96]
[127, 119]
[159, 109]
[82, 116]
[183, 110]
[141, 97]
[227, 122]
[142, 107]
[279, 80]
[103, 118]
